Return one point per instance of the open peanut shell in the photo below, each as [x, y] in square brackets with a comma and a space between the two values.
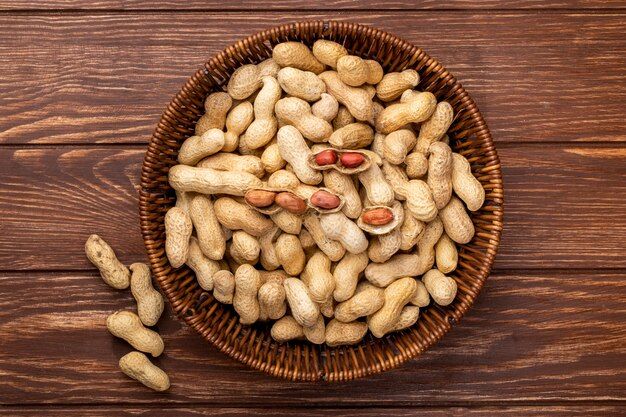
[368, 157]
[322, 210]
[381, 229]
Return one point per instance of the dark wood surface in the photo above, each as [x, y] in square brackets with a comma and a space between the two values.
[82, 85]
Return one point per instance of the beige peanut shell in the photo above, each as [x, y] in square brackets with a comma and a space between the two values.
[149, 301]
[112, 271]
[127, 325]
[137, 366]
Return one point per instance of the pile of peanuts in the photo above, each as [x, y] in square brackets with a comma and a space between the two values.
[317, 191]
[128, 325]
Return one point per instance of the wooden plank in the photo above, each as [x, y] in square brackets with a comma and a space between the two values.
[305, 5]
[556, 336]
[81, 78]
[517, 411]
[558, 203]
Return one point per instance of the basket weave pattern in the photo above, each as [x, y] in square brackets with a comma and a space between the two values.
[253, 345]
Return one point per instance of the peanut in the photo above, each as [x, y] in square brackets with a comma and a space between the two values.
[327, 157]
[357, 100]
[456, 222]
[127, 325]
[421, 297]
[287, 221]
[435, 127]
[290, 254]
[338, 333]
[149, 301]
[137, 366]
[367, 300]
[407, 318]
[272, 299]
[271, 159]
[397, 115]
[416, 165]
[237, 216]
[412, 265]
[244, 248]
[260, 198]
[263, 128]
[397, 295]
[296, 55]
[208, 229]
[211, 181]
[378, 190]
[178, 228]
[351, 159]
[352, 70]
[394, 84]
[297, 112]
[440, 173]
[237, 121]
[112, 271]
[302, 84]
[231, 162]
[352, 136]
[465, 185]
[291, 202]
[328, 52]
[318, 278]
[325, 200]
[295, 151]
[343, 118]
[303, 308]
[343, 185]
[398, 144]
[244, 82]
[204, 267]
[446, 254]
[355, 71]
[326, 107]
[440, 287]
[247, 78]
[316, 334]
[340, 228]
[197, 147]
[347, 273]
[378, 216]
[216, 107]
[245, 302]
[285, 329]
[224, 286]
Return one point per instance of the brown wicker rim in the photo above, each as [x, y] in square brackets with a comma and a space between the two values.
[253, 345]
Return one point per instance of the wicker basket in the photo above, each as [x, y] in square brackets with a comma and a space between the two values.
[253, 345]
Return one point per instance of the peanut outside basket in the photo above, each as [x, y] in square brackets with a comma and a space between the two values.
[253, 345]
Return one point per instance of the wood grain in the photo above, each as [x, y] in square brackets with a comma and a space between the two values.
[304, 5]
[84, 78]
[192, 411]
[556, 336]
[559, 204]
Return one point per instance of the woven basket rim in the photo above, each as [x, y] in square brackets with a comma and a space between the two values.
[338, 364]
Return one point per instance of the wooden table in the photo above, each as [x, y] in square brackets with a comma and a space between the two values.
[82, 85]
